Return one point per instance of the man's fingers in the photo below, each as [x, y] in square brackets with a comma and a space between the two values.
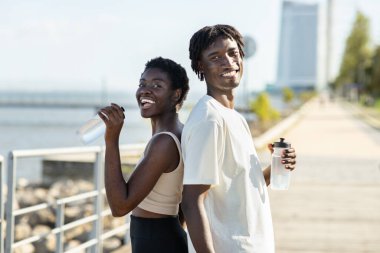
[290, 167]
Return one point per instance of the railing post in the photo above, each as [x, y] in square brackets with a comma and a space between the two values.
[10, 202]
[2, 202]
[127, 233]
[99, 201]
[59, 222]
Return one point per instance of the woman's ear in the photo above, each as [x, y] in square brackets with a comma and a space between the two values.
[177, 95]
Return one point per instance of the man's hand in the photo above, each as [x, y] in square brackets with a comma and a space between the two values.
[288, 157]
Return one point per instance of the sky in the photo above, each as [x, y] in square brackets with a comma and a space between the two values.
[97, 44]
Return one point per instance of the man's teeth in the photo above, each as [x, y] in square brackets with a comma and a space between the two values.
[145, 100]
[232, 73]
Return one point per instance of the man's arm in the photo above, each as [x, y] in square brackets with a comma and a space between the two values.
[196, 217]
[266, 173]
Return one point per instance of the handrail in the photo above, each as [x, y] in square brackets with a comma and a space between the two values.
[97, 234]
[2, 202]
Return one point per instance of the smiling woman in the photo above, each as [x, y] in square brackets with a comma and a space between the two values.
[154, 190]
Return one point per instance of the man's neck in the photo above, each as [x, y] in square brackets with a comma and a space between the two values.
[224, 98]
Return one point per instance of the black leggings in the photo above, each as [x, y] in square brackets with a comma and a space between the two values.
[156, 235]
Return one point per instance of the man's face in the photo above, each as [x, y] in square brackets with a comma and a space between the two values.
[222, 65]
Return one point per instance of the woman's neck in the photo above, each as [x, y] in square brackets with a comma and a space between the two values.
[166, 123]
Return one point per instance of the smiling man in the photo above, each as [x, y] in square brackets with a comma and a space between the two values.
[225, 199]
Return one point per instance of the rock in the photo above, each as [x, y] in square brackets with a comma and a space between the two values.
[27, 248]
[47, 244]
[62, 189]
[43, 217]
[81, 233]
[22, 231]
[72, 244]
[27, 197]
[111, 244]
[22, 183]
[72, 213]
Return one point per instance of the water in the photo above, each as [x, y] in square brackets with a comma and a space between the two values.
[56, 127]
[31, 128]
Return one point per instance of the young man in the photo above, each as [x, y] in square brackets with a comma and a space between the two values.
[225, 200]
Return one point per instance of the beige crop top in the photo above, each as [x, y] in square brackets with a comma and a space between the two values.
[167, 193]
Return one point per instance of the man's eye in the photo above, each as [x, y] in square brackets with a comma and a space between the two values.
[141, 85]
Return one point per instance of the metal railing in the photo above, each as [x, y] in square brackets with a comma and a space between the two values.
[97, 235]
[2, 201]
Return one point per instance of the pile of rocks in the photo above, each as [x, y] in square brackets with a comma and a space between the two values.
[43, 221]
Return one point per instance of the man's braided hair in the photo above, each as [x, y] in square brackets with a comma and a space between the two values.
[203, 38]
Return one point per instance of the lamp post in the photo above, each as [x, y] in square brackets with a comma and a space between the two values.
[249, 51]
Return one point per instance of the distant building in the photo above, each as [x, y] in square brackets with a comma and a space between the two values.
[299, 59]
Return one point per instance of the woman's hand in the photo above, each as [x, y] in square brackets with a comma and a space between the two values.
[113, 117]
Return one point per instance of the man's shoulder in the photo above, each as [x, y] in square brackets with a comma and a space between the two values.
[203, 110]
[203, 116]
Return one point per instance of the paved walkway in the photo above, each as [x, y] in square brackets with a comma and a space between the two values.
[333, 204]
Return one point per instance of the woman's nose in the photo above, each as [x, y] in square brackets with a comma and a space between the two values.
[144, 90]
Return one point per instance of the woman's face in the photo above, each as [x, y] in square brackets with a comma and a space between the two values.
[155, 94]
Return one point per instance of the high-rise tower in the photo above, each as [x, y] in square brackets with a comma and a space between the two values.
[298, 49]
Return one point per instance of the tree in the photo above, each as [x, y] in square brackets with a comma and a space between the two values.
[357, 54]
[374, 85]
[263, 109]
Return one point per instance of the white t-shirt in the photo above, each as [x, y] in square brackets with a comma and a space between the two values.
[218, 150]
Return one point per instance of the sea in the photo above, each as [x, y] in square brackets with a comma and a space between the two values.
[32, 120]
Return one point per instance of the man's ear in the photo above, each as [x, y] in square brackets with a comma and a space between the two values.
[200, 67]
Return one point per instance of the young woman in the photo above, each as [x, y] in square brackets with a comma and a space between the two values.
[154, 190]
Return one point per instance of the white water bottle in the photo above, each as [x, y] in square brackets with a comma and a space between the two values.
[279, 176]
[92, 130]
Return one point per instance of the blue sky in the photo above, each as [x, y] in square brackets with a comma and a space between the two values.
[74, 44]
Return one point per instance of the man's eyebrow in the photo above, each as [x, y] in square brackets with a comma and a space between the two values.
[212, 53]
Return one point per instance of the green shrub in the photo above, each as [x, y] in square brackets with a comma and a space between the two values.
[287, 95]
[263, 109]
[377, 104]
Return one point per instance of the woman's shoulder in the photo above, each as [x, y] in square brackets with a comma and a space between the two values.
[164, 141]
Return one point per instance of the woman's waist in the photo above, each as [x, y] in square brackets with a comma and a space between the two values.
[139, 212]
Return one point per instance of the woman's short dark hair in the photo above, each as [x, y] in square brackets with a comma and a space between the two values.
[203, 38]
[176, 73]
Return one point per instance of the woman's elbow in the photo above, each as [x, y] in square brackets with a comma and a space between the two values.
[119, 211]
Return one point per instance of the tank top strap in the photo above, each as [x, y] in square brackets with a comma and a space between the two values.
[177, 142]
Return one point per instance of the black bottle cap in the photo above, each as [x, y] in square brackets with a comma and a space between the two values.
[281, 144]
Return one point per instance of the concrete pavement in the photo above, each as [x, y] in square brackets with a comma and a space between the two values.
[333, 204]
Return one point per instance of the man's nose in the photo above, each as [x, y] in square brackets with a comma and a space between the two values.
[228, 61]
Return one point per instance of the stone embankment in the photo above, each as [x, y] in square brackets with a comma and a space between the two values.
[43, 221]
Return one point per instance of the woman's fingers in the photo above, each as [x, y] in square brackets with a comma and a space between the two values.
[112, 114]
[119, 110]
